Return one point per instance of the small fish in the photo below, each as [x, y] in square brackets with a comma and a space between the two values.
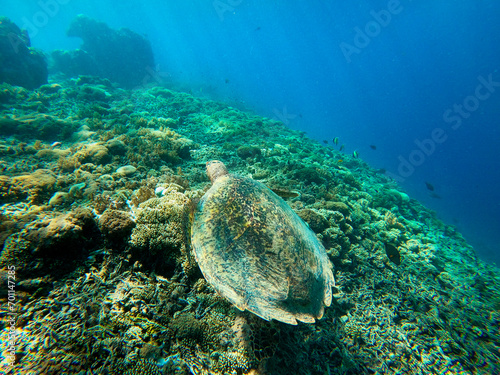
[341, 148]
[429, 186]
[325, 141]
[373, 147]
[336, 140]
[55, 144]
[340, 161]
[285, 193]
[355, 154]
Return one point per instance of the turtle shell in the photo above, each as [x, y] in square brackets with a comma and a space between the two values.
[258, 253]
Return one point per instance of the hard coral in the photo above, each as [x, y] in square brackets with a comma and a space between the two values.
[162, 229]
[36, 186]
[116, 225]
[37, 126]
[12, 94]
[95, 153]
[141, 195]
[316, 221]
[309, 175]
[246, 152]
[143, 367]
[51, 245]
[156, 147]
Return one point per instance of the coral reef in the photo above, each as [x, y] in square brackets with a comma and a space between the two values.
[116, 226]
[122, 56]
[97, 185]
[20, 64]
[162, 230]
[51, 245]
[34, 187]
[73, 63]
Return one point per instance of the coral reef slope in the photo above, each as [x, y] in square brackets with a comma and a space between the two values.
[97, 189]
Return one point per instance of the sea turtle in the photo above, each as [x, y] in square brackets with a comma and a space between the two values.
[257, 252]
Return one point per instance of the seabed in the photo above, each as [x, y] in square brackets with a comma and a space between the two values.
[97, 185]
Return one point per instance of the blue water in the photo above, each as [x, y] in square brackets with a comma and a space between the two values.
[311, 65]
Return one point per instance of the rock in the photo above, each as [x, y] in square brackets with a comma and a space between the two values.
[126, 170]
[122, 56]
[74, 63]
[21, 65]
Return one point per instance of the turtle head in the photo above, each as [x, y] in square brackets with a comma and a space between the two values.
[215, 169]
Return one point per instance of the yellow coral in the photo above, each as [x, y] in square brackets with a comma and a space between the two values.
[35, 186]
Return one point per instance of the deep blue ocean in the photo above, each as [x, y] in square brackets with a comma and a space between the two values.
[412, 86]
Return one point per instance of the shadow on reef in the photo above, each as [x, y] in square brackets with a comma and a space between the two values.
[20, 64]
[97, 186]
